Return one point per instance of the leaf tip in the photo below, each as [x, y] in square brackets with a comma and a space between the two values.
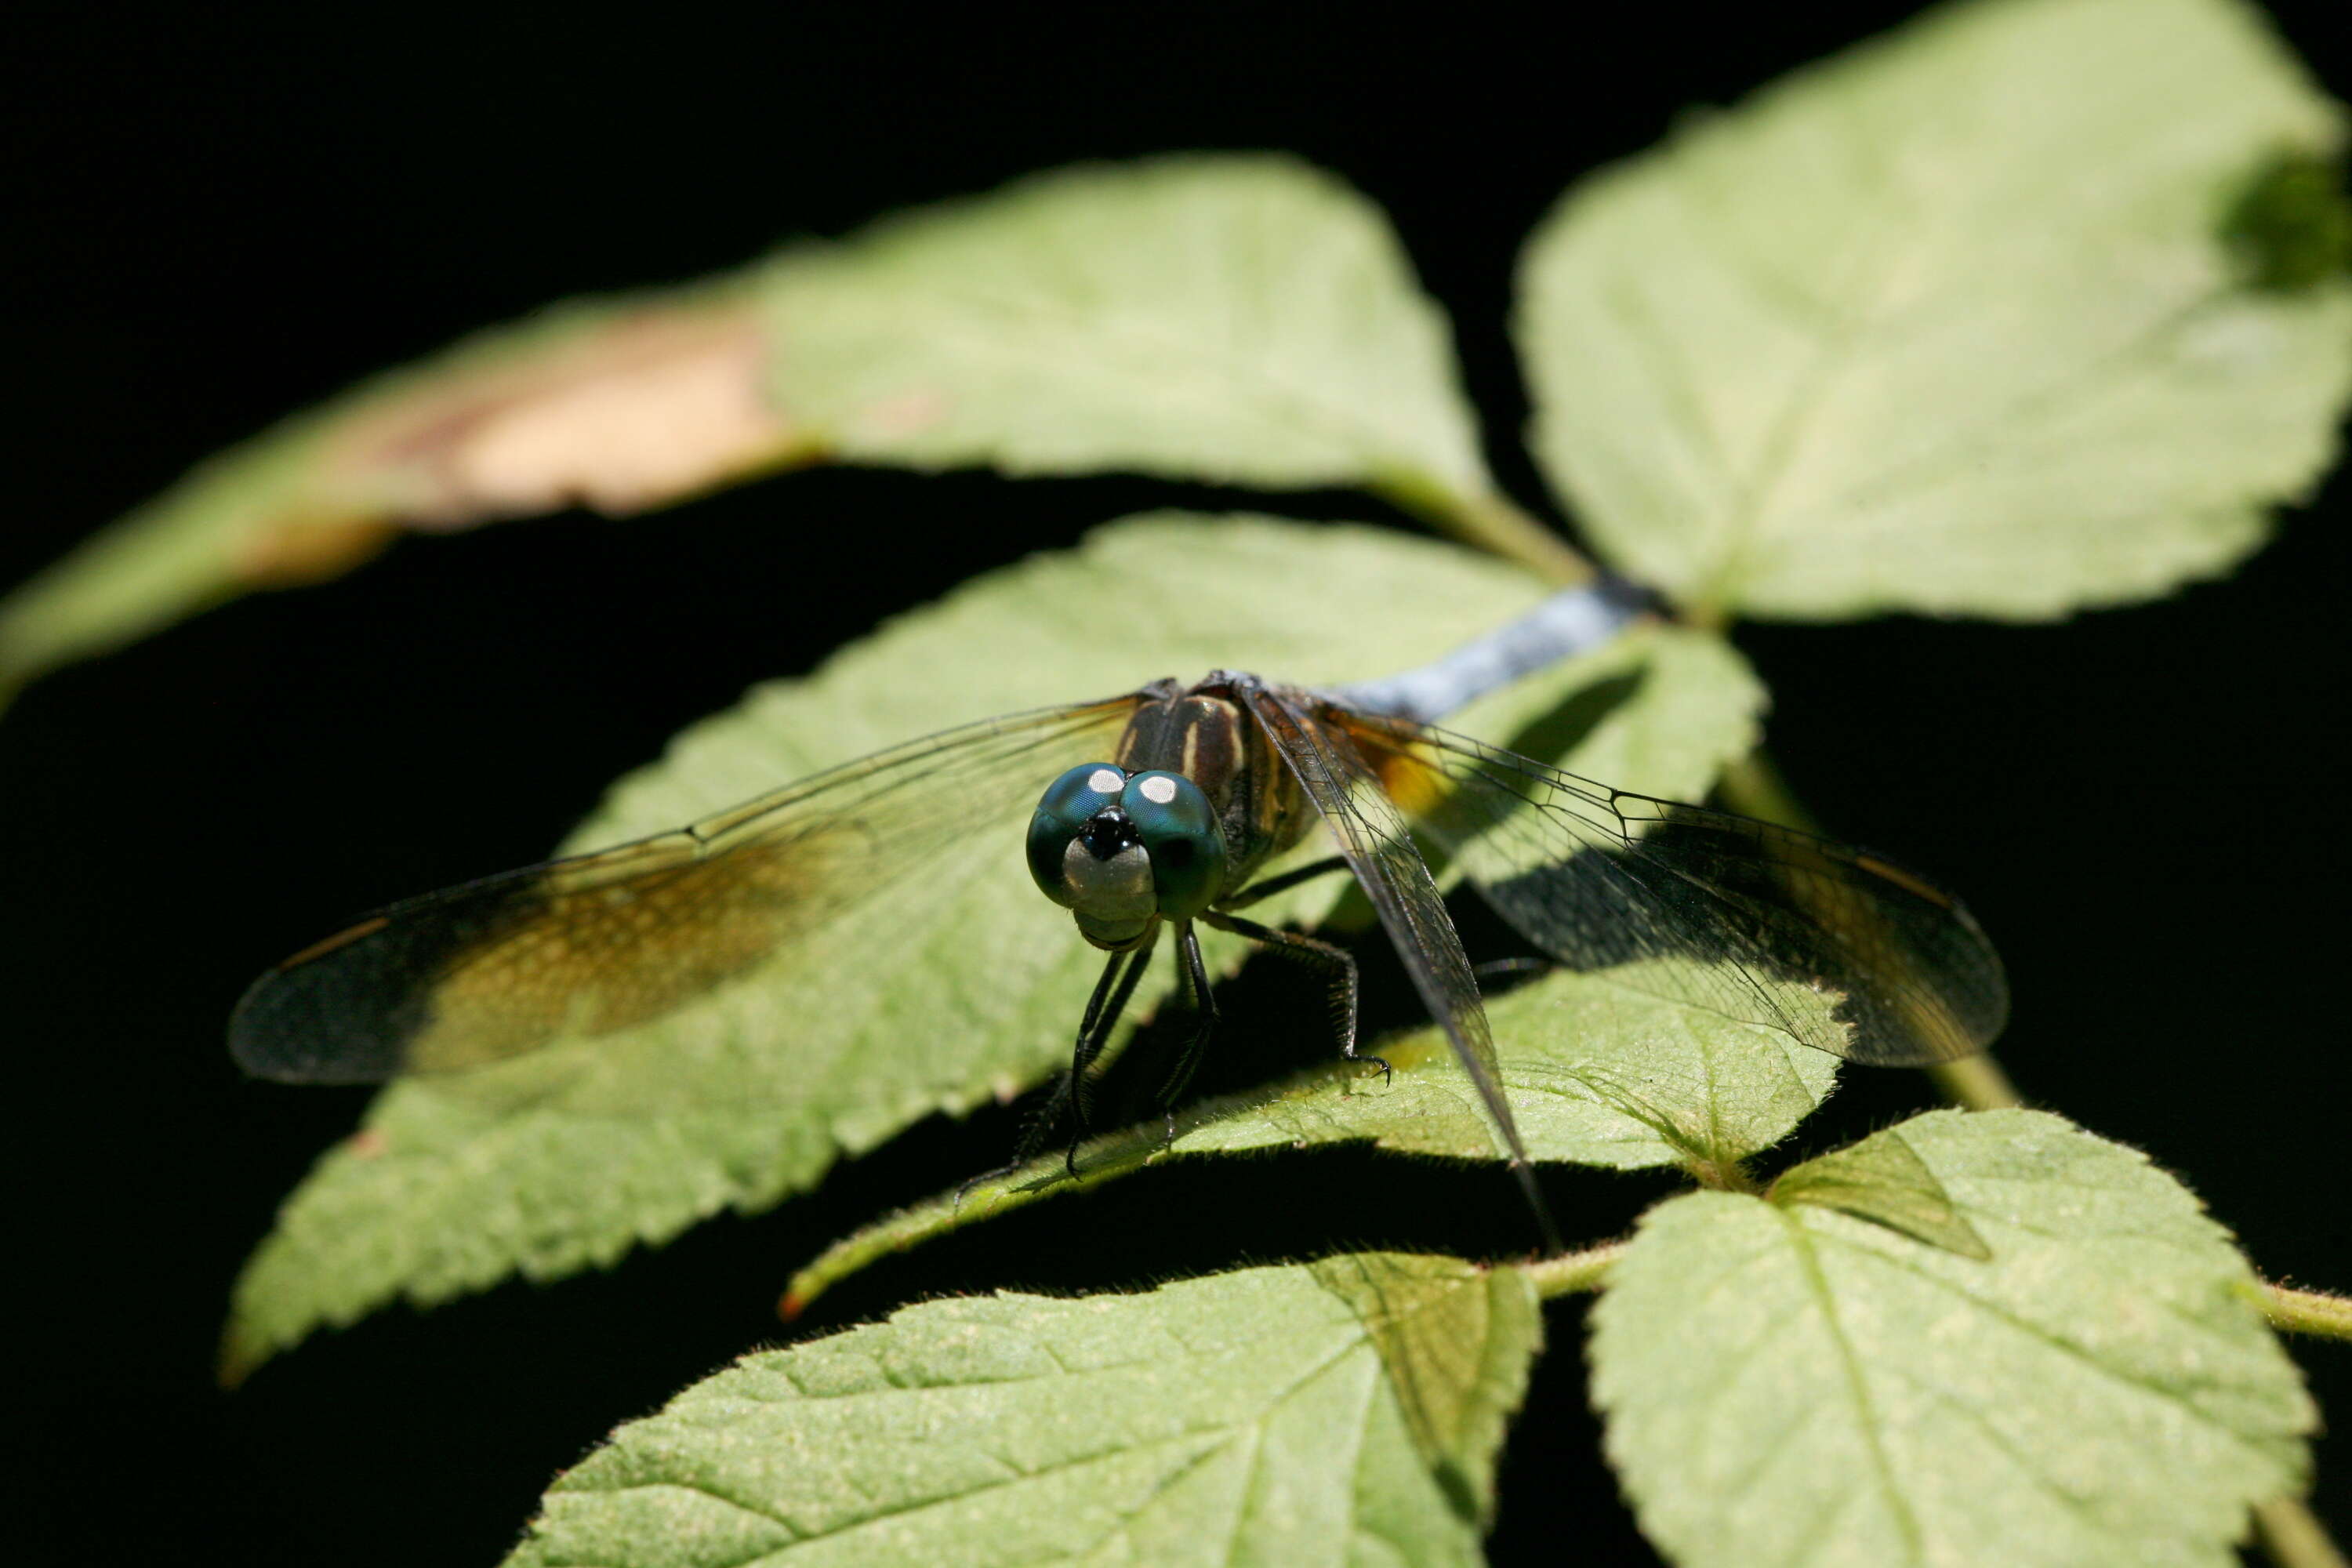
[297, 552]
[239, 1354]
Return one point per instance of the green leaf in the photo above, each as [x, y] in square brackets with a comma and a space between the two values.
[966, 988]
[1882, 1179]
[1249, 320]
[1454, 1341]
[1598, 1073]
[1346, 1412]
[1950, 323]
[1788, 1384]
[1244, 320]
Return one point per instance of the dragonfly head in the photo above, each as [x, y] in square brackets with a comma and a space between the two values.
[1121, 850]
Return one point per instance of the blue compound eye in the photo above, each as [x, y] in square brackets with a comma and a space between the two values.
[1069, 803]
[1181, 833]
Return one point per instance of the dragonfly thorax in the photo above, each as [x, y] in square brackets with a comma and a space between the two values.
[1122, 851]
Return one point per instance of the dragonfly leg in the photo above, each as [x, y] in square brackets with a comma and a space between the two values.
[1195, 976]
[1110, 996]
[1041, 1122]
[1285, 883]
[1323, 955]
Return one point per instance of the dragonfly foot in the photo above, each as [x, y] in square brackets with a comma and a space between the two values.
[964, 1187]
[1388, 1073]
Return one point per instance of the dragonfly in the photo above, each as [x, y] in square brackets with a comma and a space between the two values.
[1159, 811]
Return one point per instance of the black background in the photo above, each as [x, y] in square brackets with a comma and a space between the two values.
[215, 219]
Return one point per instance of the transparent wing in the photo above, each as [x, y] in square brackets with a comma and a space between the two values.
[1597, 877]
[1379, 848]
[491, 969]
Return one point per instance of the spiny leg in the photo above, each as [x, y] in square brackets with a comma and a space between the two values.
[1103, 1009]
[1195, 976]
[1321, 955]
[1120, 978]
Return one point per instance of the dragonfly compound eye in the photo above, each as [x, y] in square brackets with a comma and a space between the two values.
[1179, 831]
[1068, 805]
[1119, 851]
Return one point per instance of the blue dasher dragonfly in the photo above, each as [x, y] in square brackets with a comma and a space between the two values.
[1159, 808]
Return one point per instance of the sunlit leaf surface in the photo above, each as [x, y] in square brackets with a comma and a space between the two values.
[1599, 1072]
[1959, 322]
[1793, 1386]
[1341, 1412]
[969, 987]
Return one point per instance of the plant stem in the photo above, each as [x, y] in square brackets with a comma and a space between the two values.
[1725, 1175]
[2308, 1311]
[2291, 1536]
[2289, 1532]
[1494, 524]
[1575, 1272]
[1976, 1083]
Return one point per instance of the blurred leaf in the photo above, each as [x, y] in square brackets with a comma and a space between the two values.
[1792, 1386]
[1346, 1412]
[1242, 319]
[1247, 320]
[965, 987]
[1950, 323]
[1599, 1074]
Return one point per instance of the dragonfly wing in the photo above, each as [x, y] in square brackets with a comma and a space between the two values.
[1378, 849]
[595, 943]
[1597, 878]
